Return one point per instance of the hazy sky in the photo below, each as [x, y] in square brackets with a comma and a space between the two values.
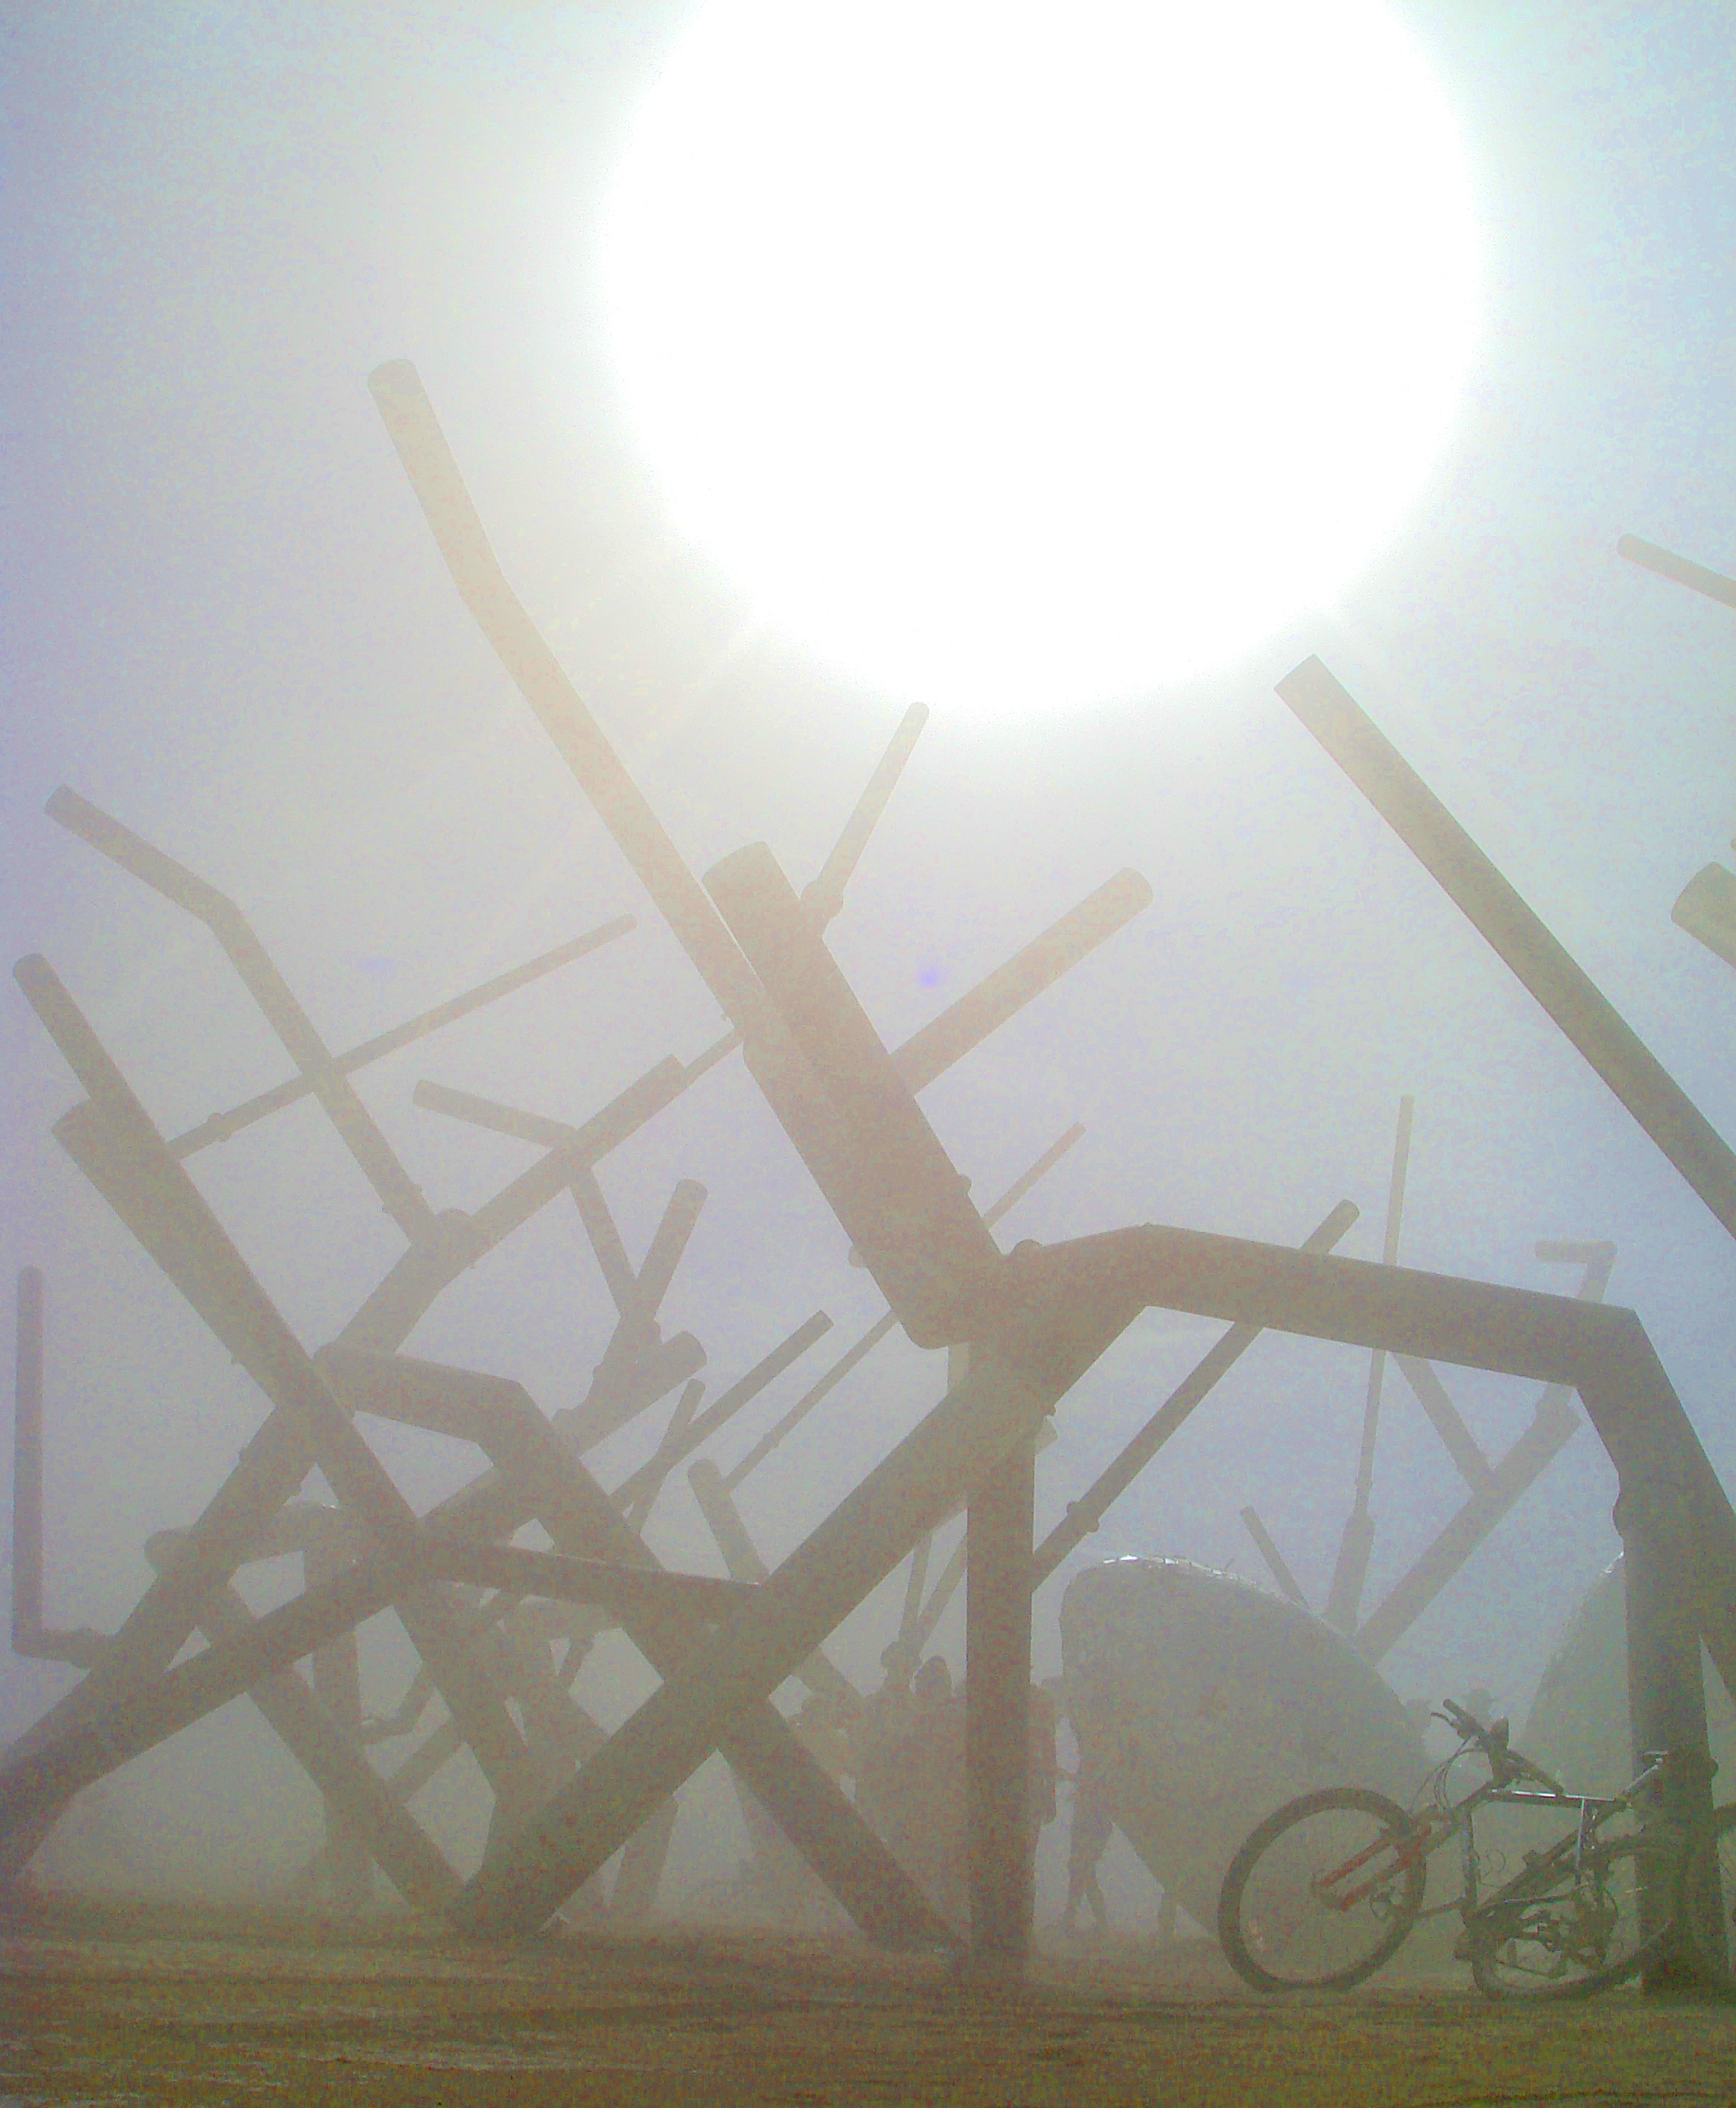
[227, 626]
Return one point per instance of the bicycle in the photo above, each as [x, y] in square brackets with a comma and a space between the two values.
[1330, 1886]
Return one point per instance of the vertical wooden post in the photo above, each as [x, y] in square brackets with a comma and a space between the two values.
[1344, 1597]
[1667, 1691]
[337, 1685]
[27, 1465]
[997, 1709]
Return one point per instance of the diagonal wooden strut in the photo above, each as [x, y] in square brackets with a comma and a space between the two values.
[325, 1077]
[580, 1518]
[221, 1126]
[1682, 570]
[874, 1214]
[1604, 1352]
[1086, 1514]
[1578, 1009]
[115, 1144]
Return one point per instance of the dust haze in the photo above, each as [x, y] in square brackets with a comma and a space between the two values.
[232, 633]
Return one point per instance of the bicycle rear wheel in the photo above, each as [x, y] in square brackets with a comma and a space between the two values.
[1585, 1931]
[1322, 1893]
[1709, 1902]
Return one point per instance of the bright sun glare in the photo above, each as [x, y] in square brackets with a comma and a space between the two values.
[1017, 354]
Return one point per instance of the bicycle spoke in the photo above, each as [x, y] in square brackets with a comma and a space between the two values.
[1322, 1893]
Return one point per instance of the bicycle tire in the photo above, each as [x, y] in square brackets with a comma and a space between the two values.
[1708, 1914]
[1276, 1932]
[1584, 1932]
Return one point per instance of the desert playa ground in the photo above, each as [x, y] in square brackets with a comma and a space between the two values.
[171, 2005]
[131, 2004]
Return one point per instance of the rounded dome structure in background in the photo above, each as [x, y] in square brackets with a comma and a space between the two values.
[1580, 1727]
[1209, 1702]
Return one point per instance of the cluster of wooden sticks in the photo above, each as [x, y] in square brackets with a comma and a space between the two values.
[1020, 1329]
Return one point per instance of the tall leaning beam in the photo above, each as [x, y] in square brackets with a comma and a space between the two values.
[930, 1252]
[1682, 570]
[926, 1297]
[800, 1106]
[1517, 934]
[1669, 1540]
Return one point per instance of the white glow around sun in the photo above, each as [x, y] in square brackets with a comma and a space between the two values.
[1012, 355]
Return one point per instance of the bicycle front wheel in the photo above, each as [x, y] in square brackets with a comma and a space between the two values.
[1709, 1902]
[1584, 1931]
[1323, 1893]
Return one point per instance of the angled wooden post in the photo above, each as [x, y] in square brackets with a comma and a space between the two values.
[754, 1738]
[1513, 931]
[1085, 1514]
[1681, 570]
[1673, 1124]
[118, 1148]
[327, 1080]
[709, 1689]
[337, 1686]
[371, 1811]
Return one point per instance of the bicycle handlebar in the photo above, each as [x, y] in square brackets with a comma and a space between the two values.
[1506, 1763]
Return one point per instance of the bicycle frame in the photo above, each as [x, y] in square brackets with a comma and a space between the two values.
[1433, 1829]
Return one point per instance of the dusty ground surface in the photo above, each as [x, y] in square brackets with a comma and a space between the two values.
[122, 2004]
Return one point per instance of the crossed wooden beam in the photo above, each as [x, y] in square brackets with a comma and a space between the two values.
[1031, 1322]
[475, 1663]
[1028, 1325]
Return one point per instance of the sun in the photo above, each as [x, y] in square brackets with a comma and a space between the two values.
[1016, 356]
